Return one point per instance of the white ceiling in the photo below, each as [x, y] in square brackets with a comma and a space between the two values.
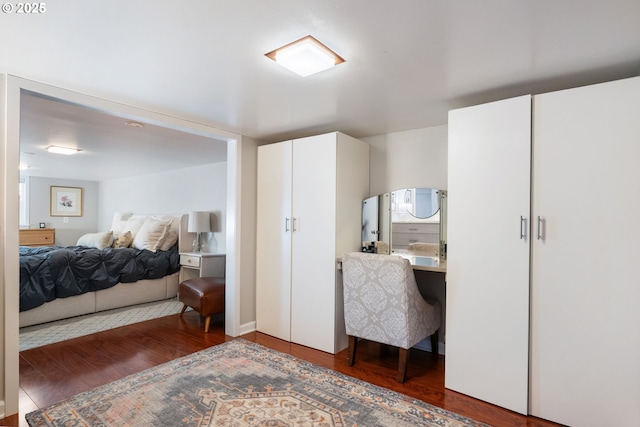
[109, 148]
[407, 62]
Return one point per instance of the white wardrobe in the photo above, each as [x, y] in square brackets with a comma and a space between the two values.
[542, 301]
[310, 193]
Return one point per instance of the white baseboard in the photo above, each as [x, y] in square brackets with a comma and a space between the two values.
[248, 327]
[425, 345]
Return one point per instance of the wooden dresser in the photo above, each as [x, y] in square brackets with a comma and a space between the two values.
[38, 237]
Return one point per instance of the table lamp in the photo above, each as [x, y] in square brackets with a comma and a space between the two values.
[198, 223]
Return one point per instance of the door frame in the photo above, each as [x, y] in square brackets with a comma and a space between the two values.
[11, 89]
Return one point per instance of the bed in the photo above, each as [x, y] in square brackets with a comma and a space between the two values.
[136, 261]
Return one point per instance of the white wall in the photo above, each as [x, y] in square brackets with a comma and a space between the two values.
[201, 188]
[67, 233]
[247, 230]
[407, 159]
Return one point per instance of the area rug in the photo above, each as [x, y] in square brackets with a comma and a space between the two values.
[240, 383]
[66, 329]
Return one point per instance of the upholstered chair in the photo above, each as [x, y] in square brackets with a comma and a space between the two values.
[382, 303]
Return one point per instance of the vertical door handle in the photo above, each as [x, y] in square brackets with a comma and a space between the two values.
[293, 222]
[540, 228]
[286, 224]
[523, 227]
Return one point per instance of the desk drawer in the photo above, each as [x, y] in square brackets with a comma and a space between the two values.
[405, 233]
[416, 227]
[190, 261]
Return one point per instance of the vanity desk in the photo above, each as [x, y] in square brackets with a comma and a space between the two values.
[418, 262]
[424, 263]
[411, 223]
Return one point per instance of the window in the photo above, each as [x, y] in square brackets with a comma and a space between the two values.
[23, 191]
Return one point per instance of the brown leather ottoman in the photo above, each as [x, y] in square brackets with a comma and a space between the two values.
[205, 295]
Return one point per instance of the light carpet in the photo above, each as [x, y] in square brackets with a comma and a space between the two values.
[240, 383]
[62, 330]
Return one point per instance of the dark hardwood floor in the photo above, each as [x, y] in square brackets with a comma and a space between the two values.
[57, 371]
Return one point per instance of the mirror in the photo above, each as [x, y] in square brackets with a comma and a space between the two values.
[376, 224]
[409, 220]
[414, 204]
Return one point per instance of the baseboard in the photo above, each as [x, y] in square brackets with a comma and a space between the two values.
[425, 345]
[247, 328]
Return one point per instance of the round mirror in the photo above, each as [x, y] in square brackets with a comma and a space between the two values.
[415, 203]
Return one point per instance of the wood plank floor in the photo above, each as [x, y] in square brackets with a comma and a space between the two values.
[57, 371]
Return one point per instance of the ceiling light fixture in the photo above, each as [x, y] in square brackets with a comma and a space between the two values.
[305, 57]
[133, 124]
[62, 150]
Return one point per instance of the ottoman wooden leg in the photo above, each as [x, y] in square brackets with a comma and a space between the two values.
[184, 307]
[207, 322]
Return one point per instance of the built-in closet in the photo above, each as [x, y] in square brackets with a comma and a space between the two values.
[310, 193]
[542, 282]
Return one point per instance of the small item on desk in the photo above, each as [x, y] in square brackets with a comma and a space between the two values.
[41, 225]
[370, 248]
[381, 247]
[377, 247]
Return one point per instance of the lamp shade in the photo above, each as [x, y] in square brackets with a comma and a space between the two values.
[199, 222]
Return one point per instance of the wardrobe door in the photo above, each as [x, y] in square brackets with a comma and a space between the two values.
[585, 323]
[273, 255]
[487, 313]
[314, 233]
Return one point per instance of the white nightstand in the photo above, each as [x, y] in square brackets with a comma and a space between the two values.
[201, 264]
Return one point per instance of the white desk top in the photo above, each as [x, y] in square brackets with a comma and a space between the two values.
[425, 263]
[419, 262]
[202, 254]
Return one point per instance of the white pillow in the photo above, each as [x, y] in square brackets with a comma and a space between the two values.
[99, 240]
[151, 235]
[133, 225]
[119, 221]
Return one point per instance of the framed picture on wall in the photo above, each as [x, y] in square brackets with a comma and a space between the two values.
[66, 201]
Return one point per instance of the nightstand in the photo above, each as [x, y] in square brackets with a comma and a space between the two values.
[37, 237]
[201, 264]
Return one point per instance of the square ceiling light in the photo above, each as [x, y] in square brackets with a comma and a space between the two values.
[305, 57]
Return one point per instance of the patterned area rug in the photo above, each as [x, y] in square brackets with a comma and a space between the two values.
[66, 329]
[240, 383]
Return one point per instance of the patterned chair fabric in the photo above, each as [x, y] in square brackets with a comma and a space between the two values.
[382, 302]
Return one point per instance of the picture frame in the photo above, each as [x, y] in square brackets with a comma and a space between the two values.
[66, 201]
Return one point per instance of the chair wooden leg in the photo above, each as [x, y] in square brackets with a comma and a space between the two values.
[184, 307]
[353, 347]
[434, 343]
[207, 322]
[402, 364]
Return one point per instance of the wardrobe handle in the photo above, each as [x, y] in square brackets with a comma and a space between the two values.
[286, 224]
[523, 227]
[540, 226]
[293, 222]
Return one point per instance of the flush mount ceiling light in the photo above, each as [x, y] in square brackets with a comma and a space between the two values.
[305, 56]
[133, 124]
[62, 150]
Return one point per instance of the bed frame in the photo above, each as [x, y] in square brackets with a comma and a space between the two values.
[120, 295]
